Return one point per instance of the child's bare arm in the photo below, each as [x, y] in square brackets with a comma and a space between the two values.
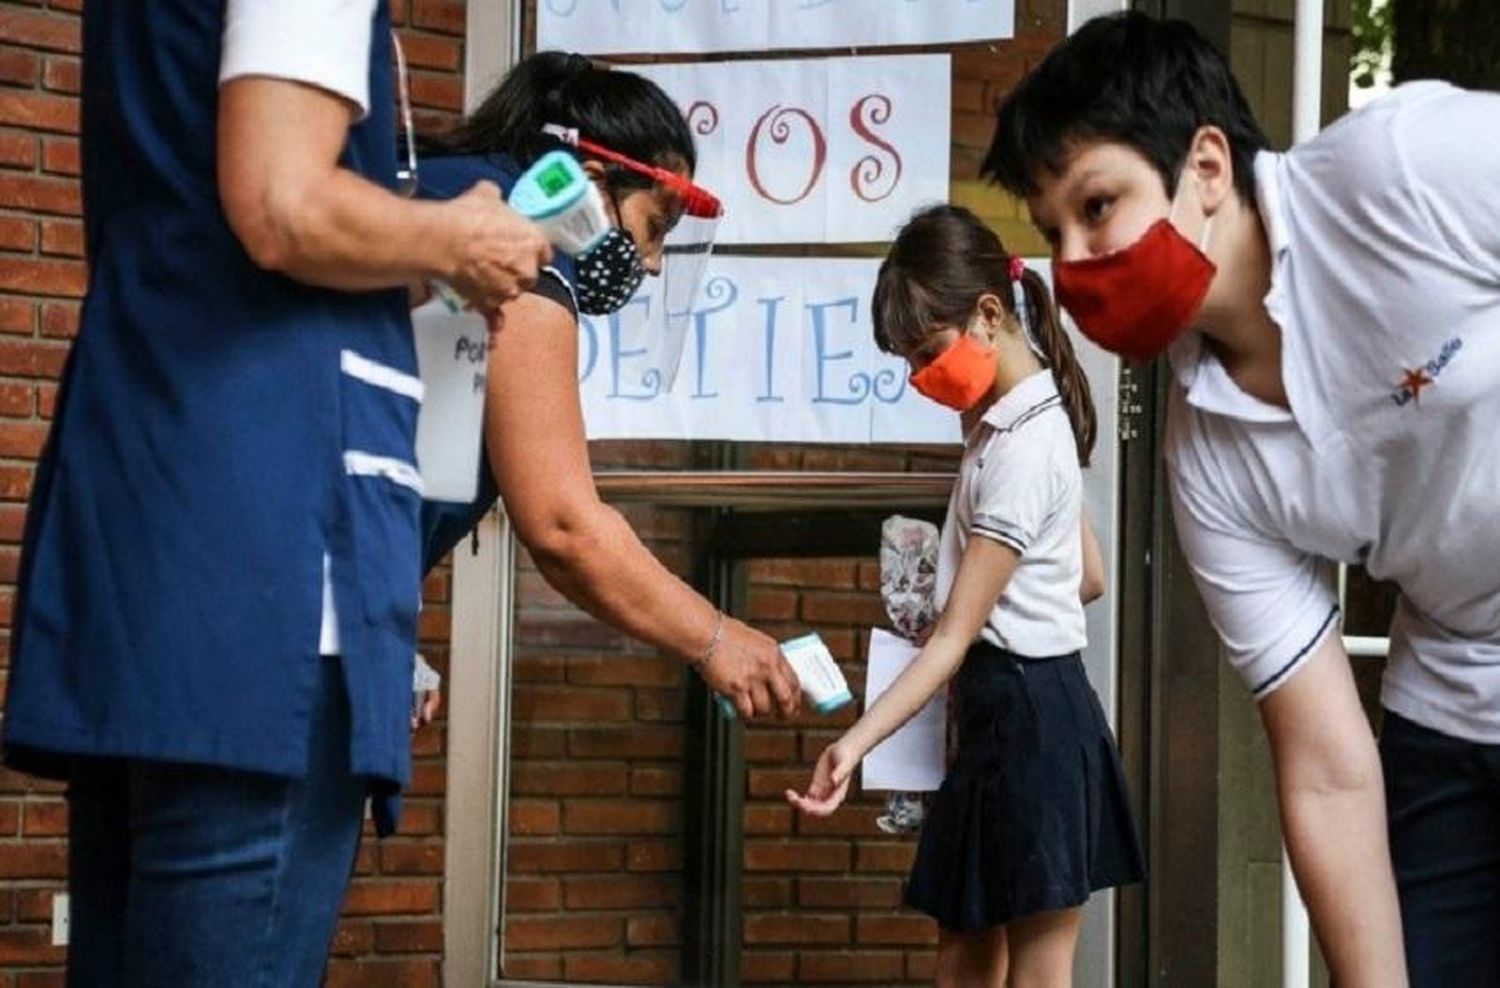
[1093, 584]
[983, 573]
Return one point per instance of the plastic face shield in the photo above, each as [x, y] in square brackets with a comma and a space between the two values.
[685, 254]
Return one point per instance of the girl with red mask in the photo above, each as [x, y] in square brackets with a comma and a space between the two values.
[1033, 815]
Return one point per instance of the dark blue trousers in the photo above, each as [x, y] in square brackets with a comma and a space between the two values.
[1443, 800]
[183, 876]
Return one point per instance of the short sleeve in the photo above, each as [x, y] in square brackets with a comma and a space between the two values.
[1271, 603]
[552, 283]
[324, 43]
[1013, 497]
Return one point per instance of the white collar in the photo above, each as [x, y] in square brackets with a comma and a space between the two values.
[1027, 397]
[1201, 374]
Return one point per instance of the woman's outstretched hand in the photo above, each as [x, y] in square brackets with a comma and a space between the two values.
[749, 670]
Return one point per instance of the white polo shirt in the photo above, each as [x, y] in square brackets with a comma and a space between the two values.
[1020, 484]
[1385, 237]
[324, 43]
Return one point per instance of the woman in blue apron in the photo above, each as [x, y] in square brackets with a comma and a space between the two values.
[214, 631]
[634, 143]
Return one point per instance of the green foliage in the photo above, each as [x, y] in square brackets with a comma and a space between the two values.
[1373, 34]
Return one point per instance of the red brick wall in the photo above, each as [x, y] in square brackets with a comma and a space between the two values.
[42, 276]
[822, 897]
[594, 881]
[391, 932]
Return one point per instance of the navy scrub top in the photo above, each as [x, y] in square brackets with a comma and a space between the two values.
[218, 430]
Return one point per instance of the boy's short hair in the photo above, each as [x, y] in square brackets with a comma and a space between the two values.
[1130, 79]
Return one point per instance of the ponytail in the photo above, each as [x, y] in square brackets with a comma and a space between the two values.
[623, 111]
[1072, 384]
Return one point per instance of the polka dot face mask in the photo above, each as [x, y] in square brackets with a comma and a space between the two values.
[608, 274]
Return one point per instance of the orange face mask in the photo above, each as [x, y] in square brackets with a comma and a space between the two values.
[960, 376]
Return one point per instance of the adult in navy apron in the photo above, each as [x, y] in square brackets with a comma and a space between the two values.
[214, 633]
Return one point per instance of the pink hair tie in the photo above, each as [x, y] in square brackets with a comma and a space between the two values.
[1017, 267]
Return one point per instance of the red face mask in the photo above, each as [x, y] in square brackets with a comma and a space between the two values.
[1136, 301]
[960, 376]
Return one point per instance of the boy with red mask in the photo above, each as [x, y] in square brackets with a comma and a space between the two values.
[1332, 316]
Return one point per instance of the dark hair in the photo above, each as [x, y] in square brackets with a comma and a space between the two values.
[943, 260]
[1131, 79]
[623, 111]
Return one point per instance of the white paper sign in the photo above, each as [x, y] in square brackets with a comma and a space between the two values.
[780, 349]
[833, 150]
[914, 757]
[452, 356]
[697, 26]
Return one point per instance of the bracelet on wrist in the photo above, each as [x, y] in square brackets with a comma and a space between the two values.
[713, 641]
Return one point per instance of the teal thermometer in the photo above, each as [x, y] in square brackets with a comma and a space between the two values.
[557, 195]
[821, 679]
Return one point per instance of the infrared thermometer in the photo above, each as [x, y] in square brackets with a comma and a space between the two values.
[557, 195]
[819, 676]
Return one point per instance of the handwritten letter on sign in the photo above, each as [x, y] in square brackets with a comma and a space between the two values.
[697, 26]
[816, 150]
[780, 349]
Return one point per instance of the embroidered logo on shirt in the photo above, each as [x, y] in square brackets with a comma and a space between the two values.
[1414, 379]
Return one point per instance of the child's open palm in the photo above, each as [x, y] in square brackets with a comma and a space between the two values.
[830, 781]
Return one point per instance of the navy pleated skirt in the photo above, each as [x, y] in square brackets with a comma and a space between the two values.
[1034, 814]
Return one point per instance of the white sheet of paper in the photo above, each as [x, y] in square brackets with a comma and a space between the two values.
[452, 354]
[914, 757]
